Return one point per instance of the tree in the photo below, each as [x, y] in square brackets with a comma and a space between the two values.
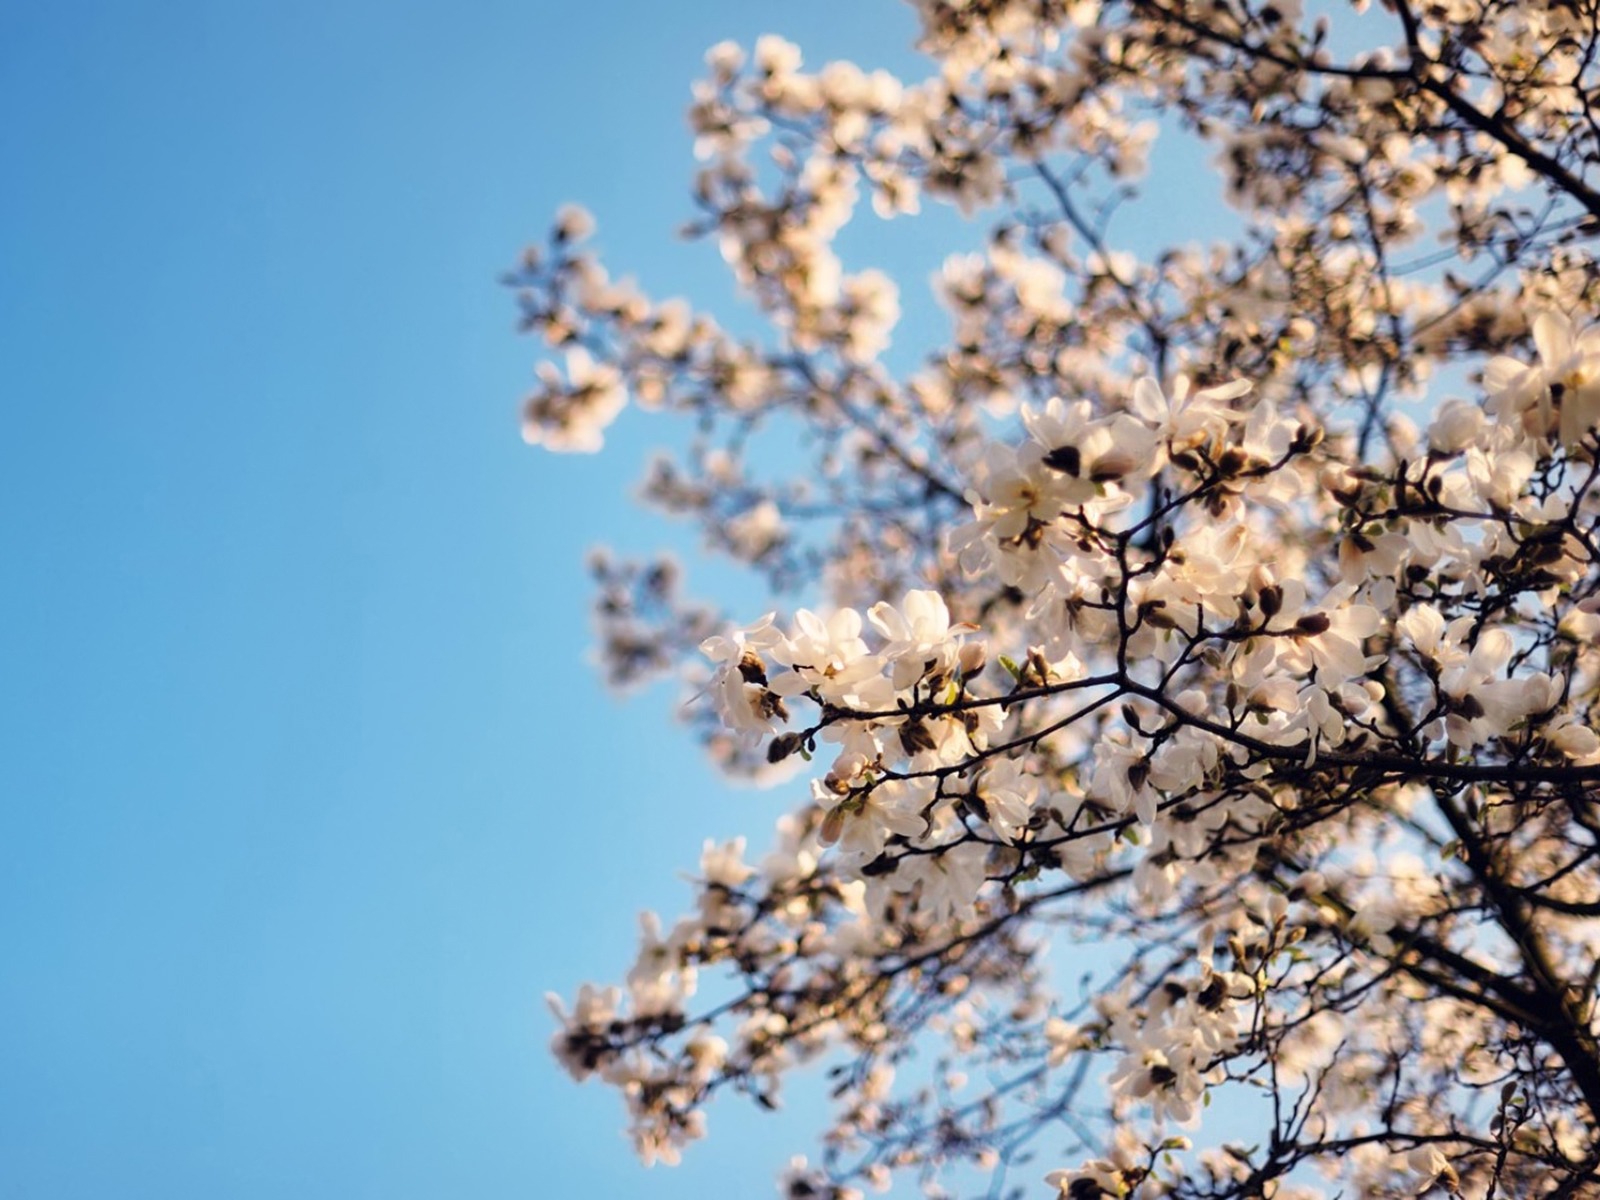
[1202, 625]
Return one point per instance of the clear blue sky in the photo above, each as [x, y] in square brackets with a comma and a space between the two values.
[307, 793]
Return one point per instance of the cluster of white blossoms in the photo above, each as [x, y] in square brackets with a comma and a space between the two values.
[1224, 674]
[1196, 710]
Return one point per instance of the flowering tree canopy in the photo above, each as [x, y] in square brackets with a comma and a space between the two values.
[1223, 617]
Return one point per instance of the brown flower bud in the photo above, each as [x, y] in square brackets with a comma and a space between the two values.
[832, 826]
[972, 659]
[752, 668]
[914, 736]
[782, 746]
[1066, 459]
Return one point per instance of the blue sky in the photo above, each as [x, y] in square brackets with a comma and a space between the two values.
[307, 792]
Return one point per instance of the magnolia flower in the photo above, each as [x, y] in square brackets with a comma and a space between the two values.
[1094, 1179]
[1020, 492]
[725, 59]
[572, 414]
[947, 882]
[1328, 636]
[826, 655]
[1561, 394]
[1499, 477]
[1063, 1038]
[706, 1053]
[1121, 778]
[775, 56]
[1188, 418]
[860, 821]
[756, 530]
[724, 865]
[1575, 740]
[1208, 569]
[739, 686]
[574, 223]
[1085, 451]
[1166, 1079]
[1008, 793]
[921, 640]
[593, 1010]
[1456, 426]
[1182, 762]
[659, 981]
[1431, 1167]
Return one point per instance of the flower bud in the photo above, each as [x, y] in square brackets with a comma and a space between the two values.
[832, 826]
[752, 669]
[1066, 459]
[1313, 623]
[972, 658]
[1455, 427]
[782, 746]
